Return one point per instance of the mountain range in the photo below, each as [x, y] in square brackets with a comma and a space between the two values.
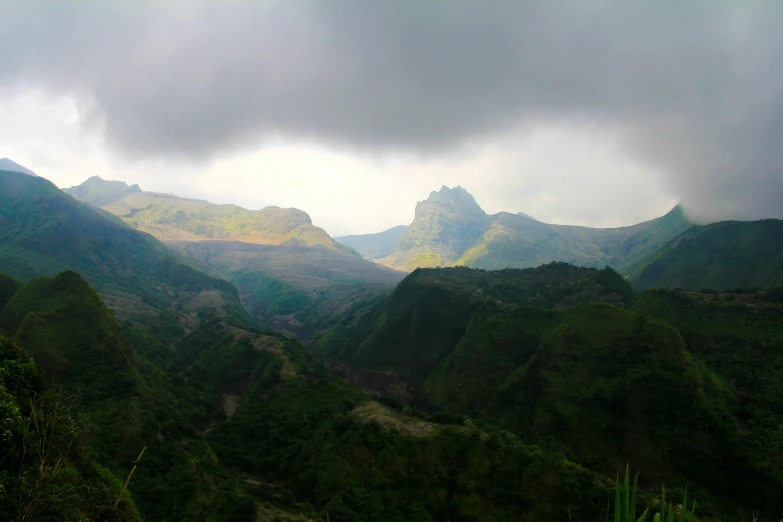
[138, 333]
[44, 231]
[288, 271]
[451, 229]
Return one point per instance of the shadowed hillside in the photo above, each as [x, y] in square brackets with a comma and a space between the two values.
[45, 231]
[291, 274]
[720, 256]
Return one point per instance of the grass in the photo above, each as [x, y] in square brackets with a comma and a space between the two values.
[625, 504]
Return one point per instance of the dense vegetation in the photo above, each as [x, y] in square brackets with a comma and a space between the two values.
[688, 387]
[46, 470]
[450, 228]
[235, 420]
[505, 395]
[425, 317]
[720, 256]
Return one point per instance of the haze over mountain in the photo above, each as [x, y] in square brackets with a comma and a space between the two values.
[99, 192]
[11, 166]
[44, 231]
[568, 312]
[374, 246]
[285, 267]
[450, 228]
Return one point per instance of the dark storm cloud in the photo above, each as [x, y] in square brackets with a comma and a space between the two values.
[692, 88]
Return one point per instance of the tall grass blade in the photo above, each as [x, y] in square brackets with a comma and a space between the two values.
[633, 496]
[626, 495]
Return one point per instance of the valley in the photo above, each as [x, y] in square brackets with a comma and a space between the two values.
[269, 372]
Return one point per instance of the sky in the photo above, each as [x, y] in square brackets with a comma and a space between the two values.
[598, 112]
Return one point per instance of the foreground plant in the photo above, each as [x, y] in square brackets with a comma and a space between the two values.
[625, 503]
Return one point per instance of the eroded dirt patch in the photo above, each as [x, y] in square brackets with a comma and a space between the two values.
[389, 418]
[268, 513]
[230, 404]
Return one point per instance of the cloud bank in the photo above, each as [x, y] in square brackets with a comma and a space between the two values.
[691, 89]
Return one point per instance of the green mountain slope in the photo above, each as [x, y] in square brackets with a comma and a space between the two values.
[46, 470]
[47, 316]
[446, 224]
[124, 401]
[100, 192]
[290, 274]
[451, 229]
[374, 246]
[8, 287]
[293, 288]
[614, 385]
[730, 254]
[241, 425]
[687, 387]
[44, 231]
[169, 217]
[421, 322]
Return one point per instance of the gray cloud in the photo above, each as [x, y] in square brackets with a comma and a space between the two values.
[693, 89]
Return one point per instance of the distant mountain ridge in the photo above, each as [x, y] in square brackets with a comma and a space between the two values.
[100, 192]
[12, 166]
[285, 267]
[451, 229]
[374, 246]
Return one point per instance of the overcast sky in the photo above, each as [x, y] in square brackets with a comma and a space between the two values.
[599, 113]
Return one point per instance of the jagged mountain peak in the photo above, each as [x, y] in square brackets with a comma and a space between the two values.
[447, 200]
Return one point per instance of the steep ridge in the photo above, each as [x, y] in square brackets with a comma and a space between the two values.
[291, 274]
[421, 322]
[685, 386]
[8, 287]
[238, 423]
[125, 402]
[46, 317]
[374, 246]
[720, 256]
[450, 229]
[446, 224]
[46, 469]
[169, 217]
[44, 231]
[100, 192]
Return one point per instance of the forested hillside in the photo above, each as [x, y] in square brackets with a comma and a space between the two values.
[663, 380]
[720, 256]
